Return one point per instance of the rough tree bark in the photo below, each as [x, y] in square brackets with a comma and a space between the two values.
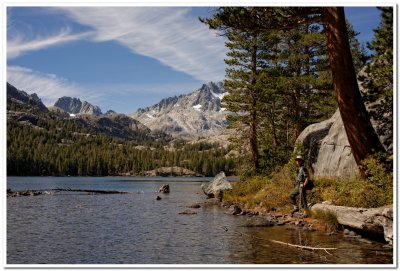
[253, 111]
[360, 133]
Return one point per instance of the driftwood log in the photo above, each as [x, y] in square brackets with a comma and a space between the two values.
[373, 221]
[92, 191]
[32, 192]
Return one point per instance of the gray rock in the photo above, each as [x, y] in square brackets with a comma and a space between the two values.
[164, 189]
[329, 154]
[217, 186]
[328, 151]
[23, 99]
[375, 221]
[234, 209]
[259, 222]
[76, 106]
[194, 206]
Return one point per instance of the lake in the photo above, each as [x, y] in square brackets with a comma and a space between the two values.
[83, 228]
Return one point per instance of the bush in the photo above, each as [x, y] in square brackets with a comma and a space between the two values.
[374, 190]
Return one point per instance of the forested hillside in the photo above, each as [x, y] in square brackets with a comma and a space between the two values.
[40, 142]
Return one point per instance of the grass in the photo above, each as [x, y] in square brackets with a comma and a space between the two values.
[329, 219]
[375, 190]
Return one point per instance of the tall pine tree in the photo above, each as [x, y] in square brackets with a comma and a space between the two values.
[377, 80]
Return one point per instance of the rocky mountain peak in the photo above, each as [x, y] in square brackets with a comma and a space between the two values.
[192, 115]
[76, 106]
[22, 99]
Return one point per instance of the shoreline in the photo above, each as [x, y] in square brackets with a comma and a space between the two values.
[261, 217]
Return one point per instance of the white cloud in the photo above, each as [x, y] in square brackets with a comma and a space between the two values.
[167, 34]
[48, 87]
[19, 44]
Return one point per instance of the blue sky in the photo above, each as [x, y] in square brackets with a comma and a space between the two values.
[122, 58]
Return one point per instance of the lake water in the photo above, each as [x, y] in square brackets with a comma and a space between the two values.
[82, 228]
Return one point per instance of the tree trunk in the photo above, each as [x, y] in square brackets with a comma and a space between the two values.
[360, 133]
[253, 110]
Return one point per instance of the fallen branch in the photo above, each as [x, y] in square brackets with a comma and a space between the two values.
[31, 192]
[304, 247]
[283, 243]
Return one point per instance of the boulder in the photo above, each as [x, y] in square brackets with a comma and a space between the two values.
[234, 209]
[372, 221]
[328, 151]
[194, 206]
[217, 186]
[164, 189]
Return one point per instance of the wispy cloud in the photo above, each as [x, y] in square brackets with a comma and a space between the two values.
[167, 34]
[49, 87]
[19, 43]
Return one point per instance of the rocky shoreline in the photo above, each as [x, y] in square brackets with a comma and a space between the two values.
[261, 217]
[359, 223]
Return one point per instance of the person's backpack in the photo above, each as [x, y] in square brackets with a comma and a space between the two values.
[310, 185]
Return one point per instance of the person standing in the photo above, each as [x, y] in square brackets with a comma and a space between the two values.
[300, 185]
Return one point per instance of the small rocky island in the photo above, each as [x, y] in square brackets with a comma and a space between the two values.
[170, 171]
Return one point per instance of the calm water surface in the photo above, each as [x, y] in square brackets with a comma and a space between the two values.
[81, 228]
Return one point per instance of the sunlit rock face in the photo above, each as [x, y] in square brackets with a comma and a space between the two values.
[75, 106]
[191, 116]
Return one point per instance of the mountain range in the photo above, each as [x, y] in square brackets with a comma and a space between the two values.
[189, 116]
[25, 109]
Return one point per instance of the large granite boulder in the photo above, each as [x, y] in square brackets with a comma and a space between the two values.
[372, 221]
[217, 186]
[328, 150]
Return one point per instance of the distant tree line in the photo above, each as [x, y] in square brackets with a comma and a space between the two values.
[62, 148]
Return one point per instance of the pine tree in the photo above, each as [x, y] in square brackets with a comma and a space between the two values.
[377, 80]
[360, 133]
[242, 74]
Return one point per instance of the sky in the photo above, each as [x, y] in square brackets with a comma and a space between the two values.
[122, 58]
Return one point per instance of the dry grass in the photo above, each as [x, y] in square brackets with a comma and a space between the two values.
[268, 192]
[273, 191]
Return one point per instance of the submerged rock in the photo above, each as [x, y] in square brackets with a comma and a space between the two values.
[194, 206]
[187, 212]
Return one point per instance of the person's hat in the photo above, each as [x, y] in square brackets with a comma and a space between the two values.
[299, 157]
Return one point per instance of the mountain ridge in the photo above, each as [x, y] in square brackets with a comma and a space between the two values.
[74, 106]
[190, 116]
